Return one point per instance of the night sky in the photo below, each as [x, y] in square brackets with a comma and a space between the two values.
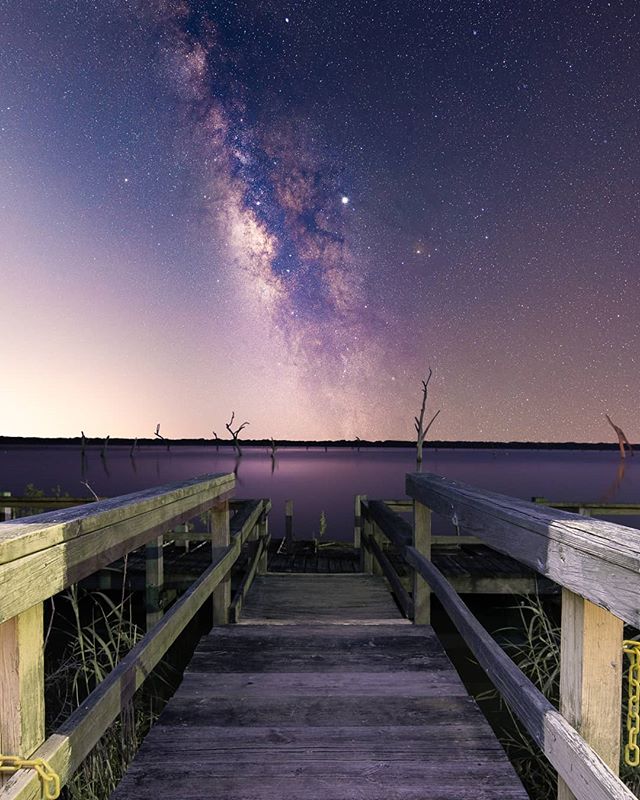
[292, 210]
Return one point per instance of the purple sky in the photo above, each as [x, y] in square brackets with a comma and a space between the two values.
[292, 210]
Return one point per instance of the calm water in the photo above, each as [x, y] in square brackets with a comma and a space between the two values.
[317, 481]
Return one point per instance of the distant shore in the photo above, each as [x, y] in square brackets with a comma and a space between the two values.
[34, 441]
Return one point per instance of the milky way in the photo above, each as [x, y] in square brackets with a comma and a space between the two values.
[292, 210]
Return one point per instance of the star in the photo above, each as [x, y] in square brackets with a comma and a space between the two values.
[344, 200]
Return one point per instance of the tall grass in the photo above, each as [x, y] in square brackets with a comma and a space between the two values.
[537, 653]
[96, 632]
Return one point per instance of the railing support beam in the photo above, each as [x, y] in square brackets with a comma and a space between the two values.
[591, 677]
[422, 543]
[220, 540]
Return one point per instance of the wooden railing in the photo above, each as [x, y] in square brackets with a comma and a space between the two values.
[42, 555]
[597, 563]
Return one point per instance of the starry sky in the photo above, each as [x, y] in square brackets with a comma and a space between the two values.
[291, 210]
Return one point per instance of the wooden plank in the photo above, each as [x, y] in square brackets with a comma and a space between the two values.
[220, 540]
[69, 745]
[22, 683]
[197, 710]
[586, 774]
[591, 678]
[422, 543]
[596, 559]
[340, 598]
[32, 578]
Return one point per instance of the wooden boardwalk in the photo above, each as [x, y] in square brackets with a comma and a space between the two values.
[323, 692]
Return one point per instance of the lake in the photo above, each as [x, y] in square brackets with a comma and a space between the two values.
[317, 481]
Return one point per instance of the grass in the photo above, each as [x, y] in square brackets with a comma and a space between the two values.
[92, 633]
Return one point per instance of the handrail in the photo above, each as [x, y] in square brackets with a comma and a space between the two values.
[44, 554]
[596, 559]
[581, 767]
[87, 536]
[587, 775]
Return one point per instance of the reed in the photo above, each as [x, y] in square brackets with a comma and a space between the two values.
[92, 632]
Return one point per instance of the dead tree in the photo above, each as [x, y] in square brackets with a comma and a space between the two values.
[234, 434]
[273, 446]
[217, 441]
[133, 447]
[103, 453]
[622, 439]
[161, 437]
[421, 431]
[82, 442]
[358, 440]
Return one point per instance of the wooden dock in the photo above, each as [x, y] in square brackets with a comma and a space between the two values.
[322, 688]
[323, 692]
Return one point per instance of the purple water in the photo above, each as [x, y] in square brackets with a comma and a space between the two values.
[317, 481]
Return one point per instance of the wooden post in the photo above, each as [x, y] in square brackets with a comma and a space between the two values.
[288, 523]
[263, 533]
[367, 555]
[22, 683]
[220, 540]
[422, 543]
[379, 538]
[591, 676]
[357, 523]
[154, 579]
[358, 528]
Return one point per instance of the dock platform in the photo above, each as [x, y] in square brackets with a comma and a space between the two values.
[323, 691]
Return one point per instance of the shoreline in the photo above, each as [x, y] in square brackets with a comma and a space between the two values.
[35, 441]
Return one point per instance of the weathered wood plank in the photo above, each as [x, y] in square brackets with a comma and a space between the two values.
[339, 598]
[596, 559]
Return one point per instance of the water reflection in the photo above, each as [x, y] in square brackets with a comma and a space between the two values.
[614, 488]
[323, 480]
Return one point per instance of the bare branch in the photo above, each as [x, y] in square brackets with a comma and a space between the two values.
[426, 430]
[235, 433]
[622, 439]
[86, 483]
[421, 431]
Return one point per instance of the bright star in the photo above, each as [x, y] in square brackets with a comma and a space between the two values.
[344, 200]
